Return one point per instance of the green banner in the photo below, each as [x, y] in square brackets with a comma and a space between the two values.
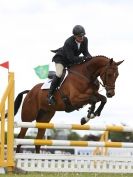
[42, 71]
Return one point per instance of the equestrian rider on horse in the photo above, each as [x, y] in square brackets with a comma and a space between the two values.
[68, 55]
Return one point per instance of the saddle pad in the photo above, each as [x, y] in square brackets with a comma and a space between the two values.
[46, 84]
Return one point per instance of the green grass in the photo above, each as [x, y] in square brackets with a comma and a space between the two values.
[67, 175]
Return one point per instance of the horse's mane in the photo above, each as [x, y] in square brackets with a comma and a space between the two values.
[94, 59]
[101, 56]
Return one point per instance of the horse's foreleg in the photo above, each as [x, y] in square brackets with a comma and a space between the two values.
[103, 100]
[91, 110]
[90, 114]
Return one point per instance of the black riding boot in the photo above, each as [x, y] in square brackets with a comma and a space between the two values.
[55, 83]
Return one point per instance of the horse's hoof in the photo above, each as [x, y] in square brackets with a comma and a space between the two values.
[83, 121]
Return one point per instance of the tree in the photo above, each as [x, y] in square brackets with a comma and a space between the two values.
[121, 136]
[74, 136]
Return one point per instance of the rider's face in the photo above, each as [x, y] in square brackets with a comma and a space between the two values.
[79, 38]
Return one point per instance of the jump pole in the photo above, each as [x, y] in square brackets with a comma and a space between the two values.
[114, 128]
[72, 143]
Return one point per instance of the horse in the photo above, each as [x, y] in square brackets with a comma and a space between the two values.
[79, 88]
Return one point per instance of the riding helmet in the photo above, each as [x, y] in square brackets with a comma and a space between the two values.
[78, 30]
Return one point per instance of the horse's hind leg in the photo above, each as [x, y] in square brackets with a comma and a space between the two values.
[43, 117]
[21, 135]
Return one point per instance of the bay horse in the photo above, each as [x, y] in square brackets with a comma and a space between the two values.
[79, 88]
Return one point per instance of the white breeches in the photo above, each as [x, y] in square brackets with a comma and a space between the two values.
[59, 69]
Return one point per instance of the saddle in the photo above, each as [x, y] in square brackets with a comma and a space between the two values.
[65, 98]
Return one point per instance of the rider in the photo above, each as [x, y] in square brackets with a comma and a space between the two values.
[68, 55]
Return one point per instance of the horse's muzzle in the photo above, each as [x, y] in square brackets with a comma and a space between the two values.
[110, 93]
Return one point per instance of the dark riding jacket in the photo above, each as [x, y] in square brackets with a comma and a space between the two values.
[69, 53]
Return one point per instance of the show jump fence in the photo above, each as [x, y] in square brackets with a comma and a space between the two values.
[7, 158]
[56, 163]
[74, 127]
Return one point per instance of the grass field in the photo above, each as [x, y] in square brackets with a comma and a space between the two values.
[67, 175]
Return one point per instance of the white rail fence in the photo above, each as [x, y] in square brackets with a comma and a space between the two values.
[74, 163]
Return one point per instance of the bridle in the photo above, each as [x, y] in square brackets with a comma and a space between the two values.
[104, 84]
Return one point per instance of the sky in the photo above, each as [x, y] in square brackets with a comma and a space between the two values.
[31, 28]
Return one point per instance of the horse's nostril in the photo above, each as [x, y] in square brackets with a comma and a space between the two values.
[110, 94]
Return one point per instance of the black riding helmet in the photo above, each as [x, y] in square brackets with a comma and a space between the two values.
[78, 30]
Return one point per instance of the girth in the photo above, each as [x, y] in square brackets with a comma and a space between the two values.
[68, 106]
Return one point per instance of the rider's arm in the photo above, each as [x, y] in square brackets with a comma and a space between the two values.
[85, 49]
[69, 54]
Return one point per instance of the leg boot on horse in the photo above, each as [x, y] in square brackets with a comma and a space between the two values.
[55, 83]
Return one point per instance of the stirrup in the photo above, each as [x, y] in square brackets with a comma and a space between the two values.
[51, 100]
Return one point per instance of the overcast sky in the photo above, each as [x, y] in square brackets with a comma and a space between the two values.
[29, 29]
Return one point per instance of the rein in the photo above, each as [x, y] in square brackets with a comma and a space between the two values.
[82, 76]
[104, 84]
[78, 74]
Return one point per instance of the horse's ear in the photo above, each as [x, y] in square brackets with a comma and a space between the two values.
[119, 62]
[111, 61]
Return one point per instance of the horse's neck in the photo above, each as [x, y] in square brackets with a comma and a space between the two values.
[90, 68]
[93, 66]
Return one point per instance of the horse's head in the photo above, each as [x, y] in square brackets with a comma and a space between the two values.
[108, 75]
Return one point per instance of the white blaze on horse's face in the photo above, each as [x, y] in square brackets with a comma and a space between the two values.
[109, 76]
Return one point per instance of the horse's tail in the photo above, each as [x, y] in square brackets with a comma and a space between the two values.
[18, 101]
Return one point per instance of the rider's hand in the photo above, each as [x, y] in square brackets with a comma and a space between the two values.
[80, 60]
[87, 58]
